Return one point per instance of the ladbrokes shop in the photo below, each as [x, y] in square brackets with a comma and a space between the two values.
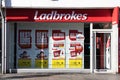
[61, 40]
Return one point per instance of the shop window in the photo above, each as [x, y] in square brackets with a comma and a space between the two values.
[46, 47]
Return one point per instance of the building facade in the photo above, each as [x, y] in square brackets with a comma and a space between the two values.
[62, 36]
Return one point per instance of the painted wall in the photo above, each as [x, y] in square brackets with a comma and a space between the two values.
[61, 3]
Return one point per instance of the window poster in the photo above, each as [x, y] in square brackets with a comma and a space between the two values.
[50, 47]
[41, 39]
[24, 42]
[75, 48]
[58, 49]
[32, 48]
[25, 39]
[41, 42]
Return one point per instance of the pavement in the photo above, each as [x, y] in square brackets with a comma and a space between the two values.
[59, 76]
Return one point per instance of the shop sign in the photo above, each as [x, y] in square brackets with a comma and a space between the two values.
[54, 15]
[59, 15]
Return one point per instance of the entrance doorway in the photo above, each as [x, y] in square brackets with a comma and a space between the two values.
[101, 51]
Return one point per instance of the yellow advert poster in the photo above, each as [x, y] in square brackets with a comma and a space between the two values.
[75, 63]
[24, 60]
[41, 60]
[22, 63]
[58, 63]
[41, 63]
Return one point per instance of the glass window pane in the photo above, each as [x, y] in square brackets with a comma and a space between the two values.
[102, 26]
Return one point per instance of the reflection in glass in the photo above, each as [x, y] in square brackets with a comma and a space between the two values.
[102, 26]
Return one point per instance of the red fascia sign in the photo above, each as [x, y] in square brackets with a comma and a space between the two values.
[59, 15]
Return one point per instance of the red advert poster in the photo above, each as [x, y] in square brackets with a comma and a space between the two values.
[78, 48]
[41, 39]
[24, 39]
[73, 34]
[58, 35]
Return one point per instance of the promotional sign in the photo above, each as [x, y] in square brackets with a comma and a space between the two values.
[32, 52]
[25, 39]
[24, 60]
[58, 49]
[24, 42]
[41, 42]
[41, 39]
[76, 49]
[41, 59]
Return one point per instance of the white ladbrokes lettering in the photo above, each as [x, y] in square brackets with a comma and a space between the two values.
[54, 15]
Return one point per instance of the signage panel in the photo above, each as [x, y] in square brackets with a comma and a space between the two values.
[59, 15]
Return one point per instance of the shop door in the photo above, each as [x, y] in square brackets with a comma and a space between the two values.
[101, 51]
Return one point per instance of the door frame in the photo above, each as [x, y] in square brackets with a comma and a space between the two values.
[92, 56]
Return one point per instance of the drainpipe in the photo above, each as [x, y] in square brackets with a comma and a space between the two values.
[3, 37]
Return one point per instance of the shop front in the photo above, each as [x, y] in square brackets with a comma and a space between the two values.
[62, 40]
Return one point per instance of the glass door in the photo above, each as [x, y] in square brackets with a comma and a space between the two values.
[101, 51]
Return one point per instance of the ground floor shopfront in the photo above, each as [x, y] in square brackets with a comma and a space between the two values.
[61, 40]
